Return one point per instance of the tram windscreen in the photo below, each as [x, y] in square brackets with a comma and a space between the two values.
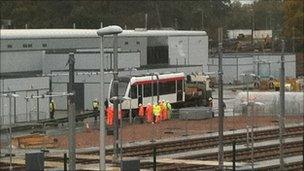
[122, 87]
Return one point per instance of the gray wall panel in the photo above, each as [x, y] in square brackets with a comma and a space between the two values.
[21, 61]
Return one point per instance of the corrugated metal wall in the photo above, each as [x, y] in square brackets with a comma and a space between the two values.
[236, 64]
[24, 110]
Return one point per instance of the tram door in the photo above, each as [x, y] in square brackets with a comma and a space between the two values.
[140, 94]
[179, 91]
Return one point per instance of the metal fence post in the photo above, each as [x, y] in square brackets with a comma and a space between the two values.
[282, 107]
[154, 158]
[65, 160]
[220, 101]
[233, 157]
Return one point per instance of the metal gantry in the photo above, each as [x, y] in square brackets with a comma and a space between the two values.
[10, 96]
[247, 76]
[72, 148]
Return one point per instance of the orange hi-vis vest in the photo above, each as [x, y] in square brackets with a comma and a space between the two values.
[165, 111]
[149, 113]
[141, 111]
[110, 114]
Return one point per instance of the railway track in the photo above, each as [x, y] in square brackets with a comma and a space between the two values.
[243, 155]
[201, 143]
[186, 145]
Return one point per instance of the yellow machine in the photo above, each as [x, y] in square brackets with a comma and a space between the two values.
[291, 84]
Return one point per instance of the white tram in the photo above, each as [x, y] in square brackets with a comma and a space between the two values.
[150, 89]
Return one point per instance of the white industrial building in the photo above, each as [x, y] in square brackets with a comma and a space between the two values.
[32, 49]
[37, 52]
[257, 34]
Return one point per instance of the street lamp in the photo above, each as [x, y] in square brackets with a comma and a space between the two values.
[109, 30]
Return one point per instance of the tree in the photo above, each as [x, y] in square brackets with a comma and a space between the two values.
[293, 22]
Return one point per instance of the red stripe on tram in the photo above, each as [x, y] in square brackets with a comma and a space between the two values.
[160, 80]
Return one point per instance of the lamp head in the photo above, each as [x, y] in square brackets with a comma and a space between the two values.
[109, 30]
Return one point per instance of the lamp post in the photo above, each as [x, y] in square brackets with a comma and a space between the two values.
[109, 30]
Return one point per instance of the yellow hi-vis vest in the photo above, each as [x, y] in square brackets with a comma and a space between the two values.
[156, 110]
[95, 104]
[52, 106]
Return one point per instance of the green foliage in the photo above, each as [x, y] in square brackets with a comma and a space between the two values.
[185, 15]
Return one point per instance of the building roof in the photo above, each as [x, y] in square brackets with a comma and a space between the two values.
[89, 33]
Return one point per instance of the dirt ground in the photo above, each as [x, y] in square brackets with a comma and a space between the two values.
[89, 137]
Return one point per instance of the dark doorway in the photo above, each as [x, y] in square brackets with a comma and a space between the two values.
[179, 89]
[79, 97]
[140, 95]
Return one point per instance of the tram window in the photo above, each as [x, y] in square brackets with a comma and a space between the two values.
[133, 91]
[147, 90]
[122, 87]
[167, 87]
[155, 89]
[179, 85]
[162, 88]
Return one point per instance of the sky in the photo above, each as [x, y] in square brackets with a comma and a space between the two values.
[245, 1]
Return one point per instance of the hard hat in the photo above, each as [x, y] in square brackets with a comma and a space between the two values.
[95, 99]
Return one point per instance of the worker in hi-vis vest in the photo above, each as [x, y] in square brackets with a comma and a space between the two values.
[141, 112]
[169, 109]
[149, 113]
[156, 112]
[52, 109]
[95, 105]
[164, 110]
[110, 115]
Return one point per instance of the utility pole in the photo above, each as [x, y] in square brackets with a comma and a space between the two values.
[10, 131]
[71, 113]
[146, 21]
[282, 107]
[220, 100]
[202, 20]
[252, 27]
[158, 15]
[293, 40]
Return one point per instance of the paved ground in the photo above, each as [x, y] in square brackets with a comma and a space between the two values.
[89, 137]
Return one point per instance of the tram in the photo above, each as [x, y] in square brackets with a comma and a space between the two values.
[149, 88]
